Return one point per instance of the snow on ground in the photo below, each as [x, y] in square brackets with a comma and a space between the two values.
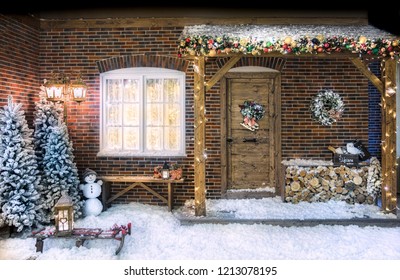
[158, 235]
[274, 208]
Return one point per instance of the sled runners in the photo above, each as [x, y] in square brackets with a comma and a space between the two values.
[81, 234]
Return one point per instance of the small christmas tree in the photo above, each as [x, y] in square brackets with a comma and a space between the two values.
[60, 173]
[19, 181]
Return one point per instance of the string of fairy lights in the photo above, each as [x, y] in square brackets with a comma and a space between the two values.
[390, 90]
[201, 117]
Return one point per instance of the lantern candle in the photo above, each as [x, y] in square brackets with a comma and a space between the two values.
[64, 216]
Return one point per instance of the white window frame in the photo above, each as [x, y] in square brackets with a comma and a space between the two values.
[141, 73]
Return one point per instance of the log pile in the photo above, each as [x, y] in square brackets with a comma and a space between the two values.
[322, 183]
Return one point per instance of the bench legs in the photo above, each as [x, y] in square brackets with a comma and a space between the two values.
[39, 245]
[79, 243]
[105, 195]
[106, 198]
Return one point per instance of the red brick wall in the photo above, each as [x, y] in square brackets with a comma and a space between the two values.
[19, 62]
[301, 80]
[78, 49]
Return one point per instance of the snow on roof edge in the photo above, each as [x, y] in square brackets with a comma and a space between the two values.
[273, 32]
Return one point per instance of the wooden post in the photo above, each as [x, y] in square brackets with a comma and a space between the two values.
[389, 177]
[199, 137]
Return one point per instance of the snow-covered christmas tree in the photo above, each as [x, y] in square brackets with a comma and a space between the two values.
[60, 173]
[47, 115]
[19, 180]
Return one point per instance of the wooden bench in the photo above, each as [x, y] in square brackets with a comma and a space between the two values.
[82, 234]
[137, 181]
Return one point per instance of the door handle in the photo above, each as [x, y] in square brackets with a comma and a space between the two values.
[229, 139]
[249, 139]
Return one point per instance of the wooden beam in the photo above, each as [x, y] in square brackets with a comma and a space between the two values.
[222, 71]
[199, 137]
[389, 170]
[367, 73]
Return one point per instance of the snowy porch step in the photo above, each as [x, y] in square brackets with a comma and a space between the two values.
[362, 222]
[273, 211]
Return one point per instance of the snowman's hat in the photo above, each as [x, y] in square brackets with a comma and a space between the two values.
[88, 172]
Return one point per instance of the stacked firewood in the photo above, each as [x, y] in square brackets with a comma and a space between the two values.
[322, 183]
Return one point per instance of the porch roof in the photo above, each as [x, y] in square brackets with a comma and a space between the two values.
[297, 39]
[276, 32]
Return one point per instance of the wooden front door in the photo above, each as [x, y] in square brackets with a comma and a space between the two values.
[252, 155]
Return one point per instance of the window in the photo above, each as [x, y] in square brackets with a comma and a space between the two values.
[142, 112]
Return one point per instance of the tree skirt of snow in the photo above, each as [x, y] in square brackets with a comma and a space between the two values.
[274, 208]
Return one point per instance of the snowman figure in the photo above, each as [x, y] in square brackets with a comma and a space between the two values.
[91, 190]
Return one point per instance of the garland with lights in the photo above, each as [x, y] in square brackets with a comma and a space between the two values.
[326, 107]
[251, 112]
[211, 45]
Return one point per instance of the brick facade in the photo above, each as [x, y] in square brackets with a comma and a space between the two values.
[19, 61]
[375, 114]
[83, 49]
[302, 78]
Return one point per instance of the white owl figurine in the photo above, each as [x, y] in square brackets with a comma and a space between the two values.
[351, 149]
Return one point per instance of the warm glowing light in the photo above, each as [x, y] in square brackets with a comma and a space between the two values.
[390, 91]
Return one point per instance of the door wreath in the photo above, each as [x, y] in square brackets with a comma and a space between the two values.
[251, 112]
[326, 107]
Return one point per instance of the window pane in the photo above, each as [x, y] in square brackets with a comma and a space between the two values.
[142, 112]
[154, 90]
[114, 114]
[131, 114]
[154, 139]
[172, 115]
[114, 139]
[172, 138]
[114, 91]
[171, 90]
[131, 90]
[131, 138]
[154, 114]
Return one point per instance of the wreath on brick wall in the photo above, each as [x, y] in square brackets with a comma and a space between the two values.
[326, 107]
